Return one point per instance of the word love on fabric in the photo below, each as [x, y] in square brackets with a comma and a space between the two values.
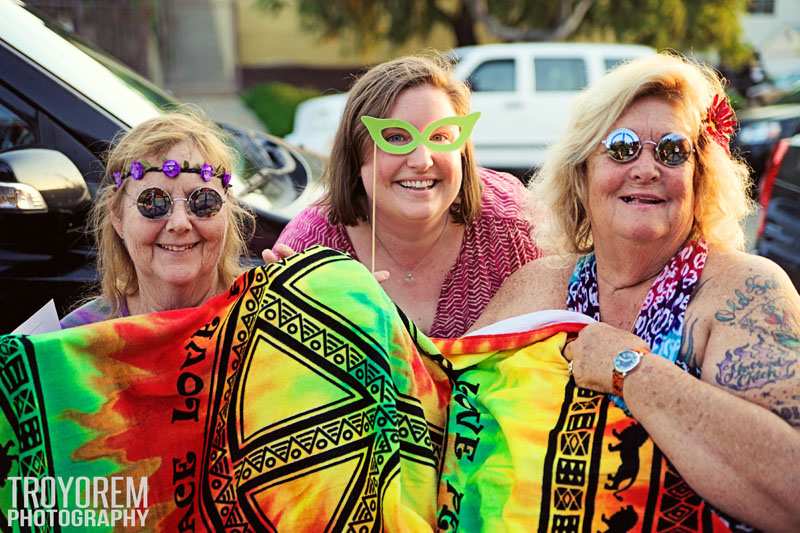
[81, 502]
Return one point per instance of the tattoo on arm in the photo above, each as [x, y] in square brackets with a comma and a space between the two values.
[687, 353]
[790, 413]
[758, 309]
[754, 365]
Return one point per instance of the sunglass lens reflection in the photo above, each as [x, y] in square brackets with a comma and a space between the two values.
[205, 202]
[673, 149]
[154, 203]
[623, 145]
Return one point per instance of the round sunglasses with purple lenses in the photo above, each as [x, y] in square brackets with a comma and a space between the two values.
[156, 203]
[623, 145]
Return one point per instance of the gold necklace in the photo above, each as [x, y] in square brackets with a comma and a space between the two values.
[409, 275]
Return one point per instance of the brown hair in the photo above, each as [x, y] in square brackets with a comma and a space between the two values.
[374, 94]
[720, 180]
[154, 138]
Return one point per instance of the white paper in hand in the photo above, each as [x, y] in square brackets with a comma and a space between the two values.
[42, 321]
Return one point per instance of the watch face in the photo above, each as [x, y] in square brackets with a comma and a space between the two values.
[626, 361]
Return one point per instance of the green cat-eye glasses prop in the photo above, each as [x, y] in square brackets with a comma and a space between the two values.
[405, 144]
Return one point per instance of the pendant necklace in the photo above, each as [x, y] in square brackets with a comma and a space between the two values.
[409, 275]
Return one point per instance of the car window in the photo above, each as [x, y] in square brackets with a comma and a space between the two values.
[792, 97]
[613, 62]
[494, 76]
[14, 132]
[559, 74]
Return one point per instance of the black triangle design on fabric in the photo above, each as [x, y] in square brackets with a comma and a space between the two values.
[256, 459]
[332, 344]
[321, 439]
[354, 359]
[309, 330]
[281, 450]
[226, 493]
[286, 314]
[248, 320]
[332, 428]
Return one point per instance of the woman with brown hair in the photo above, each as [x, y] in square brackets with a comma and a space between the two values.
[447, 232]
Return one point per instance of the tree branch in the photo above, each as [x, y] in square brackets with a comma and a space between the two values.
[566, 27]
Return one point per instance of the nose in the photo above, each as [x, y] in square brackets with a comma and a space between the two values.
[178, 221]
[645, 167]
[420, 159]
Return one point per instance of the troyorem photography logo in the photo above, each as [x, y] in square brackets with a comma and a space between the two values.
[76, 501]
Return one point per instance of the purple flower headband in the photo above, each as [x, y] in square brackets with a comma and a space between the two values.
[171, 169]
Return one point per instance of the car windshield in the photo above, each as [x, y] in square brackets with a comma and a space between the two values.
[132, 99]
[134, 81]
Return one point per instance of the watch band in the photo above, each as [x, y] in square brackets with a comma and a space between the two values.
[618, 376]
[617, 379]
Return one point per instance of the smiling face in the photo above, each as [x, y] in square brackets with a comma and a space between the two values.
[419, 186]
[181, 251]
[642, 200]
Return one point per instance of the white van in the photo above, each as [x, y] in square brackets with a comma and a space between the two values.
[523, 91]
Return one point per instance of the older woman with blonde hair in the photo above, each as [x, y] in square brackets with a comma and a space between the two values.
[697, 342]
[404, 196]
[152, 253]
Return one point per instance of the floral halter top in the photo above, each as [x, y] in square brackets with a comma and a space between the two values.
[661, 317]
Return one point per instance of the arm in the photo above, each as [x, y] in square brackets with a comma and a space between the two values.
[538, 285]
[722, 432]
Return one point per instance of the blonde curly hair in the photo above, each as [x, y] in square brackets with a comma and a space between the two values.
[721, 180]
[153, 139]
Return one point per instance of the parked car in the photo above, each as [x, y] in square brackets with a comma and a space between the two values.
[778, 234]
[61, 102]
[760, 128]
[524, 91]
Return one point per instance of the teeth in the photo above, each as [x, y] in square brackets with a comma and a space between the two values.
[173, 248]
[629, 199]
[417, 184]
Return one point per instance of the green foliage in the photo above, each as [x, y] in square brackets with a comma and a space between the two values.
[365, 22]
[684, 25]
[274, 103]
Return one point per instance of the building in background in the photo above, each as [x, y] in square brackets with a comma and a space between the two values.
[210, 50]
[773, 28]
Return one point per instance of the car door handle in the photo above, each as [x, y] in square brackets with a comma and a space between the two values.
[513, 105]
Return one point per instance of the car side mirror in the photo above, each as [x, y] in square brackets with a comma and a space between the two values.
[43, 201]
[36, 180]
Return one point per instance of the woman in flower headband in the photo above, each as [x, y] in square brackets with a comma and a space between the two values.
[168, 235]
[404, 196]
[698, 347]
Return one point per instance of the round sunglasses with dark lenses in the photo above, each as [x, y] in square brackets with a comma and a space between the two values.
[623, 145]
[156, 203]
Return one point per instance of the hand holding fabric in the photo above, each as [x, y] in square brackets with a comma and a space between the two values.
[592, 354]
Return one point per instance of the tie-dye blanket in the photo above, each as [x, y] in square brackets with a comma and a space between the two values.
[297, 401]
[302, 400]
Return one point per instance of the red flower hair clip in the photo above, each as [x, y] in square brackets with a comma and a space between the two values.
[721, 121]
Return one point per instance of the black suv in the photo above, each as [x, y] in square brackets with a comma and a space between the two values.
[779, 229]
[760, 128]
[61, 102]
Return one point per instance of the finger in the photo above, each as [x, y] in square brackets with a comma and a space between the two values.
[283, 251]
[269, 256]
[381, 275]
[567, 351]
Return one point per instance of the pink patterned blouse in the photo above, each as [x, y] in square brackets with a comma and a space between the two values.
[495, 245]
